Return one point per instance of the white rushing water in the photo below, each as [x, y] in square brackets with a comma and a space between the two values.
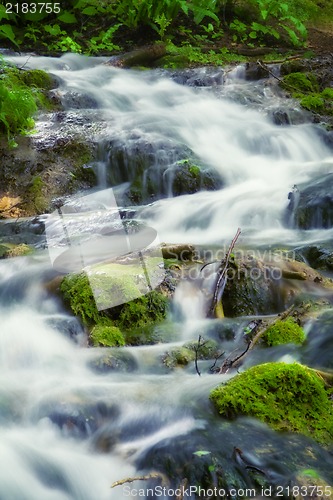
[51, 400]
[258, 161]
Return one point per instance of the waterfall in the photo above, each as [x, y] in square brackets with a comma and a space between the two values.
[70, 424]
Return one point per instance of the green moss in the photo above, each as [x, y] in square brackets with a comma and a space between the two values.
[36, 196]
[178, 357]
[18, 251]
[78, 295]
[150, 308]
[194, 170]
[313, 102]
[36, 78]
[284, 332]
[288, 397]
[327, 93]
[300, 82]
[109, 336]
[128, 316]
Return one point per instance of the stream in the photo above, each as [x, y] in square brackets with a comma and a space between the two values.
[68, 431]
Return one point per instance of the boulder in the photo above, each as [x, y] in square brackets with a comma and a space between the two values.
[315, 206]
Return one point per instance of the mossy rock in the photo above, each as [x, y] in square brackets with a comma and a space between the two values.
[150, 308]
[288, 397]
[284, 332]
[77, 293]
[18, 251]
[178, 357]
[145, 310]
[106, 335]
[37, 78]
[300, 82]
[114, 360]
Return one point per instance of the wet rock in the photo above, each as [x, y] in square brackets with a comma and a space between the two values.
[114, 360]
[74, 100]
[315, 207]
[198, 77]
[255, 71]
[319, 256]
[78, 419]
[318, 351]
[258, 286]
[157, 168]
[321, 67]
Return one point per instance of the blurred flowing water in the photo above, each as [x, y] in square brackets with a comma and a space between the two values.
[69, 430]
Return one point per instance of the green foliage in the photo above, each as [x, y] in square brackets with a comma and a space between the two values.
[271, 19]
[284, 332]
[109, 336]
[17, 104]
[288, 397]
[21, 93]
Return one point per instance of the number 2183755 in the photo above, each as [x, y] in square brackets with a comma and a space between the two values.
[32, 8]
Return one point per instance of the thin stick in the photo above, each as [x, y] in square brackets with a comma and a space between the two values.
[152, 475]
[222, 274]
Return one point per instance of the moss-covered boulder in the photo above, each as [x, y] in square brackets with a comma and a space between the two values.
[116, 324]
[157, 168]
[114, 360]
[288, 397]
[107, 335]
[284, 332]
[268, 285]
[8, 251]
[179, 357]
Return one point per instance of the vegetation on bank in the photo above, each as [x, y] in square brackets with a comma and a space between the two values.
[95, 27]
[22, 93]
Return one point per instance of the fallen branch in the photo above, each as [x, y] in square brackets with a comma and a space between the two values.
[196, 350]
[222, 276]
[264, 324]
[146, 477]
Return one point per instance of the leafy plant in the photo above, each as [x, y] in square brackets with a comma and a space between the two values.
[17, 105]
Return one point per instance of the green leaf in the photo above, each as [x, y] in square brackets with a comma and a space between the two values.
[311, 472]
[67, 17]
[201, 453]
[253, 34]
[89, 11]
[54, 30]
[264, 14]
[7, 31]
[3, 14]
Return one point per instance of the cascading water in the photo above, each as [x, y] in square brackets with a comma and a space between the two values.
[69, 430]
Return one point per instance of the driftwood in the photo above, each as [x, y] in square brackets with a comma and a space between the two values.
[144, 56]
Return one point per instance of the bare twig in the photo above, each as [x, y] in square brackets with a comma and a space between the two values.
[230, 362]
[222, 273]
[196, 350]
[146, 477]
